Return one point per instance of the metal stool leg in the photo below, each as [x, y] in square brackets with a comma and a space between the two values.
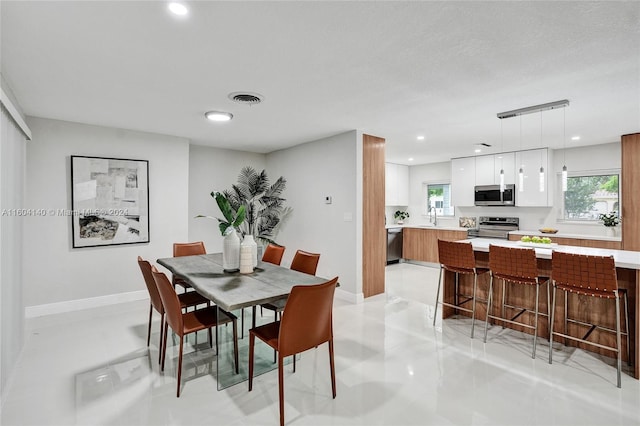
[473, 303]
[435, 312]
[535, 329]
[626, 319]
[489, 297]
[553, 311]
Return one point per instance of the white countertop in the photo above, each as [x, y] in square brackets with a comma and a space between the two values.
[418, 226]
[561, 235]
[623, 258]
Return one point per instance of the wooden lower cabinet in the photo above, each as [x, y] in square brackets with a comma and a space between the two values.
[422, 243]
[579, 242]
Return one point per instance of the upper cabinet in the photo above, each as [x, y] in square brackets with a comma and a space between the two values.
[468, 172]
[396, 184]
[529, 195]
[463, 177]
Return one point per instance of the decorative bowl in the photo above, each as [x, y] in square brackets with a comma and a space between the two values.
[548, 230]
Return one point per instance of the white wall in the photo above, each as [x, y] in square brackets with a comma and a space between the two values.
[12, 184]
[56, 272]
[326, 167]
[579, 159]
[213, 169]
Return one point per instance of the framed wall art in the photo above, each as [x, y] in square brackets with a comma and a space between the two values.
[109, 201]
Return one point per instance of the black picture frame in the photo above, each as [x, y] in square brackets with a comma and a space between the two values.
[109, 201]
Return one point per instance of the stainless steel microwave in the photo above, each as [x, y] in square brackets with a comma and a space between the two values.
[490, 195]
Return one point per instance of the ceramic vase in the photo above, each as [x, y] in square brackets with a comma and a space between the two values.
[231, 251]
[246, 259]
[250, 242]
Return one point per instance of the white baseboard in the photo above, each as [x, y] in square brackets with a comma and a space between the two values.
[79, 304]
[349, 297]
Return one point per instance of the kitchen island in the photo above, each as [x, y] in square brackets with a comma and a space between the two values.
[628, 271]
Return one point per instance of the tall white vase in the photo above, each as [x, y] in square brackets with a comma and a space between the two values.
[250, 242]
[231, 251]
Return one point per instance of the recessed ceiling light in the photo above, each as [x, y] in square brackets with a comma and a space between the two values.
[575, 138]
[420, 138]
[178, 9]
[411, 159]
[218, 116]
[477, 150]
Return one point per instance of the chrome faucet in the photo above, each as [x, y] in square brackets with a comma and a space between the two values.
[433, 219]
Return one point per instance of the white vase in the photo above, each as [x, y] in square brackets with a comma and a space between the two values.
[231, 251]
[612, 231]
[250, 242]
[246, 259]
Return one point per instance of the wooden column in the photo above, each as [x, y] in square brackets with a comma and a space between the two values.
[630, 214]
[373, 230]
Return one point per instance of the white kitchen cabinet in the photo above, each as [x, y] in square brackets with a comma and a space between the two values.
[463, 178]
[396, 184]
[507, 162]
[530, 161]
[485, 170]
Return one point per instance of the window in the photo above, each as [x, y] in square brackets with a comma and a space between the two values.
[590, 195]
[438, 197]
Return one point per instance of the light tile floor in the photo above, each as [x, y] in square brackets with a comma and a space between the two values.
[393, 368]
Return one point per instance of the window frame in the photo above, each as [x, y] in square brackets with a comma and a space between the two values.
[425, 198]
[560, 198]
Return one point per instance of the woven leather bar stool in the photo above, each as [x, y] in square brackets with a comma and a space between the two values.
[593, 276]
[515, 266]
[458, 257]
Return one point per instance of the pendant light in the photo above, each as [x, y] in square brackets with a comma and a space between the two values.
[501, 160]
[541, 176]
[564, 151]
[521, 171]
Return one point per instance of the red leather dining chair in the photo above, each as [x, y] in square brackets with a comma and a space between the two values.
[188, 299]
[303, 261]
[306, 323]
[187, 249]
[273, 254]
[189, 322]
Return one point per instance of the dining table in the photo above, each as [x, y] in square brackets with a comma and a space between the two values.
[232, 291]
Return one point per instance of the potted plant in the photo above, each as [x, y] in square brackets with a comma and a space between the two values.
[400, 216]
[610, 219]
[228, 227]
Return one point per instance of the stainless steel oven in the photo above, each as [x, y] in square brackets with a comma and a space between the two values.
[494, 227]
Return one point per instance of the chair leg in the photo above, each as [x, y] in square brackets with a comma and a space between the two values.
[252, 339]
[473, 304]
[180, 366]
[149, 328]
[489, 297]
[553, 311]
[333, 368]
[626, 325]
[535, 322]
[164, 345]
[504, 299]
[566, 315]
[294, 363]
[162, 327]
[281, 388]
[210, 339]
[435, 311]
[618, 340]
[242, 323]
[253, 315]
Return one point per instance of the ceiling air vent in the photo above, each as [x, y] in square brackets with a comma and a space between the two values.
[246, 98]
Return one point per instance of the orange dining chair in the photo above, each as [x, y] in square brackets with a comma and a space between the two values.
[189, 322]
[303, 261]
[515, 266]
[273, 254]
[587, 276]
[186, 300]
[186, 249]
[458, 258]
[306, 323]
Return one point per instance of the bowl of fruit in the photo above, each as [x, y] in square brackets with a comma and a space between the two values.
[548, 230]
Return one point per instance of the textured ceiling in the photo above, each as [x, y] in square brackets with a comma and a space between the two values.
[391, 69]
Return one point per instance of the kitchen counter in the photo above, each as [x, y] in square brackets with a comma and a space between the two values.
[623, 258]
[562, 235]
[427, 226]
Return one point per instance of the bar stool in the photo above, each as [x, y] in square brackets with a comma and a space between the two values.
[593, 276]
[458, 257]
[515, 266]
